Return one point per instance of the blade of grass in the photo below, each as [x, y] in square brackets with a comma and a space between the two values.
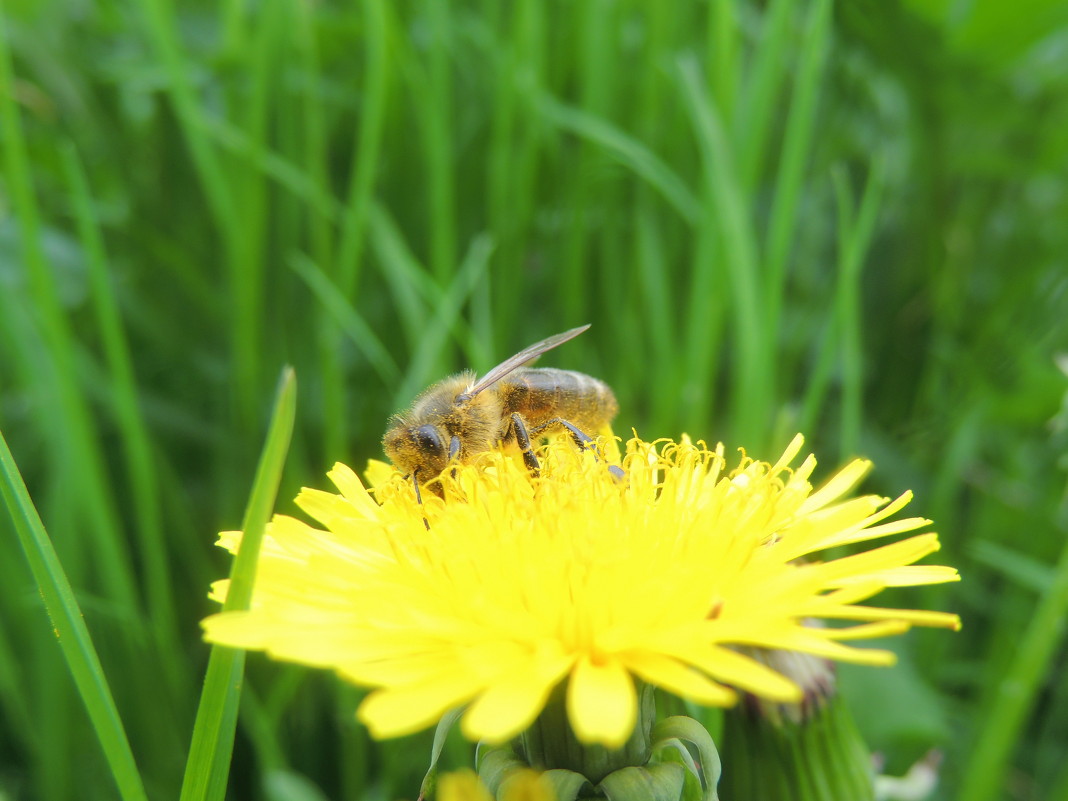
[796, 147]
[315, 149]
[208, 763]
[656, 310]
[222, 198]
[819, 374]
[446, 318]
[75, 421]
[358, 772]
[346, 317]
[233, 23]
[516, 160]
[435, 103]
[70, 629]
[723, 66]
[16, 712]
[260, 728]
[628, 151]
[842, 337]
[162, 31]
[402, 272]
[413, 290]
[274, 165]
[504, 208]
[593, 78]
[59, 721]
[366, 148]
[1060, 784]
[986, 772]
[753, 365]
[819, 377]
[753, 123]
[266, 51]
[702, 331]
[852, 250]
[137, 448]
[1019, 568]
[315, 158]
[649, 106]
[364, 169]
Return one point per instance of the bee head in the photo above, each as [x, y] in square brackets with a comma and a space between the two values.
[417, 448]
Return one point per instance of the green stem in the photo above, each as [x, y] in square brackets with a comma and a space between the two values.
[818, 758]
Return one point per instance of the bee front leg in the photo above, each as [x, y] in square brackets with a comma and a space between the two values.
[454, 452]
[419, 497]
[522, 438]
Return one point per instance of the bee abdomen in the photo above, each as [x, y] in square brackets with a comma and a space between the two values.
[540, 394]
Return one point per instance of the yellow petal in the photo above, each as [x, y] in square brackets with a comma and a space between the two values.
[236, 629]
[788, 455]
[805, 640]
[219, 589]
[405, 710]
[740, 671]
[379, 473]
[463, 785]
[353, 490]
[912, 617]
[676, 678]
[527, 785]
[601, 702]
[512, 702]
[844, 480]
[867, 631]
[230, 540]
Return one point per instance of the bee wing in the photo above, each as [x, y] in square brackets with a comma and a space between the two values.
[523, 357]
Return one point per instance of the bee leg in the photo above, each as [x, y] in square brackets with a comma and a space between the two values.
[419, 497]
[454, 452]
[581, 438]
[522, 438]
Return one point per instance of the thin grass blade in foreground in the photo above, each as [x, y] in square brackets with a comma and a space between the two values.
[208, 764]
[70, 629]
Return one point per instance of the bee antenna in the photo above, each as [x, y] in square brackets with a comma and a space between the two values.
[419, 497]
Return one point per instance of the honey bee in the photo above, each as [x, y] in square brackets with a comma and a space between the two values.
[460, 417]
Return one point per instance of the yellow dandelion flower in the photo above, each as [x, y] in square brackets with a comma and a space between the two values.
[521, 584]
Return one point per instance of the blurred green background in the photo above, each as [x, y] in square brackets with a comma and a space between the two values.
[849, 220]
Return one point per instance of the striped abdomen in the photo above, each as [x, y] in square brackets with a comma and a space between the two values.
[539, 394]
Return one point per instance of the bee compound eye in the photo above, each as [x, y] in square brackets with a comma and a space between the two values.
[429, 438]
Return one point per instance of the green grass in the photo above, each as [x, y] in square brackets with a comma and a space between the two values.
[208, 766]
[844, 219]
